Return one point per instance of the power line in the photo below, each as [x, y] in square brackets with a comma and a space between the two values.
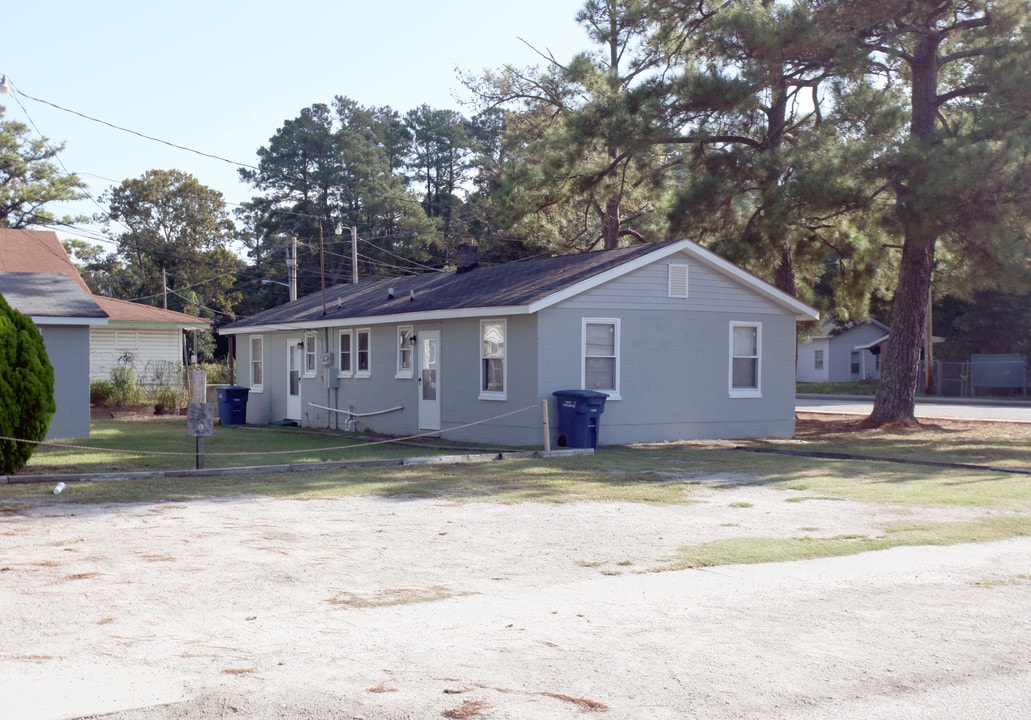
[128, 130]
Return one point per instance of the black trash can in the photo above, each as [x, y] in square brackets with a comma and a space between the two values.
[232, 405]
[579, 417]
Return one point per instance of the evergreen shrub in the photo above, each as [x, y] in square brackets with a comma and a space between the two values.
[26, 389]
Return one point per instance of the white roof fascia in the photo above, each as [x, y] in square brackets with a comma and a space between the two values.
[798, 308]
[872, 343]
[596, 280]
[392, 319]
[65, 320]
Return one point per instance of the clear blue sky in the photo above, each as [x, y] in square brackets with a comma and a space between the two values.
[221, 76]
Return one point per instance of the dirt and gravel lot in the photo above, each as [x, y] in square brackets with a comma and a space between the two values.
[248, 607]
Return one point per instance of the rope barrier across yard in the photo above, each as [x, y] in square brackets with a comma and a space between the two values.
[352, 446]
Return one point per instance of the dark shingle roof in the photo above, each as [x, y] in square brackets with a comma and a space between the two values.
[48, 295]
[507, 285]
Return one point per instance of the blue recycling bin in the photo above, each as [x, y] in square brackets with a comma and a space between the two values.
[232, 405]
[579, 417]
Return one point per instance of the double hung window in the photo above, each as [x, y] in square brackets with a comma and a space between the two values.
[745, 359]
[493, 368]
[601, 356]
[257, 363]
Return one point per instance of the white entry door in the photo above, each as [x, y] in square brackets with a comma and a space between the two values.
[294, 363]
[429, 379]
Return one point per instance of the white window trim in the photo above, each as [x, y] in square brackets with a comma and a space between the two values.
[677, 281]
[340, 344]
[494, 394]
[404, 331]
[357, 335]
[313, 352]
[615, 322]
[755, 392]
[256, 387]
[818, 359]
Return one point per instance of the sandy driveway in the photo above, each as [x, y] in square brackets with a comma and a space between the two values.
[373, 609]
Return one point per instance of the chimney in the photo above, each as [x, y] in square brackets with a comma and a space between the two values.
[466, 257]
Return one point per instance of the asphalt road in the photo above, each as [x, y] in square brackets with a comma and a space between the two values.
[931, 410]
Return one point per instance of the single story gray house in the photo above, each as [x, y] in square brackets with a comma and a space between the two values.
[683, 343]
[64, 313]
[842, 352]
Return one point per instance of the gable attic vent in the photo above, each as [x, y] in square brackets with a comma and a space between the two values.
[677, 280]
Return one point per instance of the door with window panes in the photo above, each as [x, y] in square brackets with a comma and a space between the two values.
[429, 379]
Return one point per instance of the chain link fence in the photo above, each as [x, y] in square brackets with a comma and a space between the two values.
[983, 376]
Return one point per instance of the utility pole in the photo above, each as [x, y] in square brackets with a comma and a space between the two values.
[354, 254]
[322, 268]
[291, 268]
[164, 287]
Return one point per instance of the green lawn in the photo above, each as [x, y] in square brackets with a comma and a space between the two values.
[161, 443]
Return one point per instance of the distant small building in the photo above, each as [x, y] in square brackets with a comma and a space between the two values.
[842, 352]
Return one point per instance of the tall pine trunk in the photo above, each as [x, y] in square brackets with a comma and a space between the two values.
[900, 371]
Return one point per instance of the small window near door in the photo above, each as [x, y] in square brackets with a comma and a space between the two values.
[856, 363]
[310, 354]
[745, 359]
[405, 351]
[364, 353]
[818, 359]
[346, 353]
[492, 359]
[257, 363]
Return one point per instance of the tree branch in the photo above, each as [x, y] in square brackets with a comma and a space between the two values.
[961, 92]
[711, 140]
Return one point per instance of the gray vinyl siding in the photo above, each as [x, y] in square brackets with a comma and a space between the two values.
[646, 289]
[68, 350]
[840, 352]
[460, 385]
[807, 371]
[674, 374]
[675, 357]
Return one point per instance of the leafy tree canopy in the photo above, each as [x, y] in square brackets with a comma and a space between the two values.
[168, 225]
[30, 179]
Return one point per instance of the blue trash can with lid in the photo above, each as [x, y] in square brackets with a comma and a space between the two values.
[579, 417]
[232, 405]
